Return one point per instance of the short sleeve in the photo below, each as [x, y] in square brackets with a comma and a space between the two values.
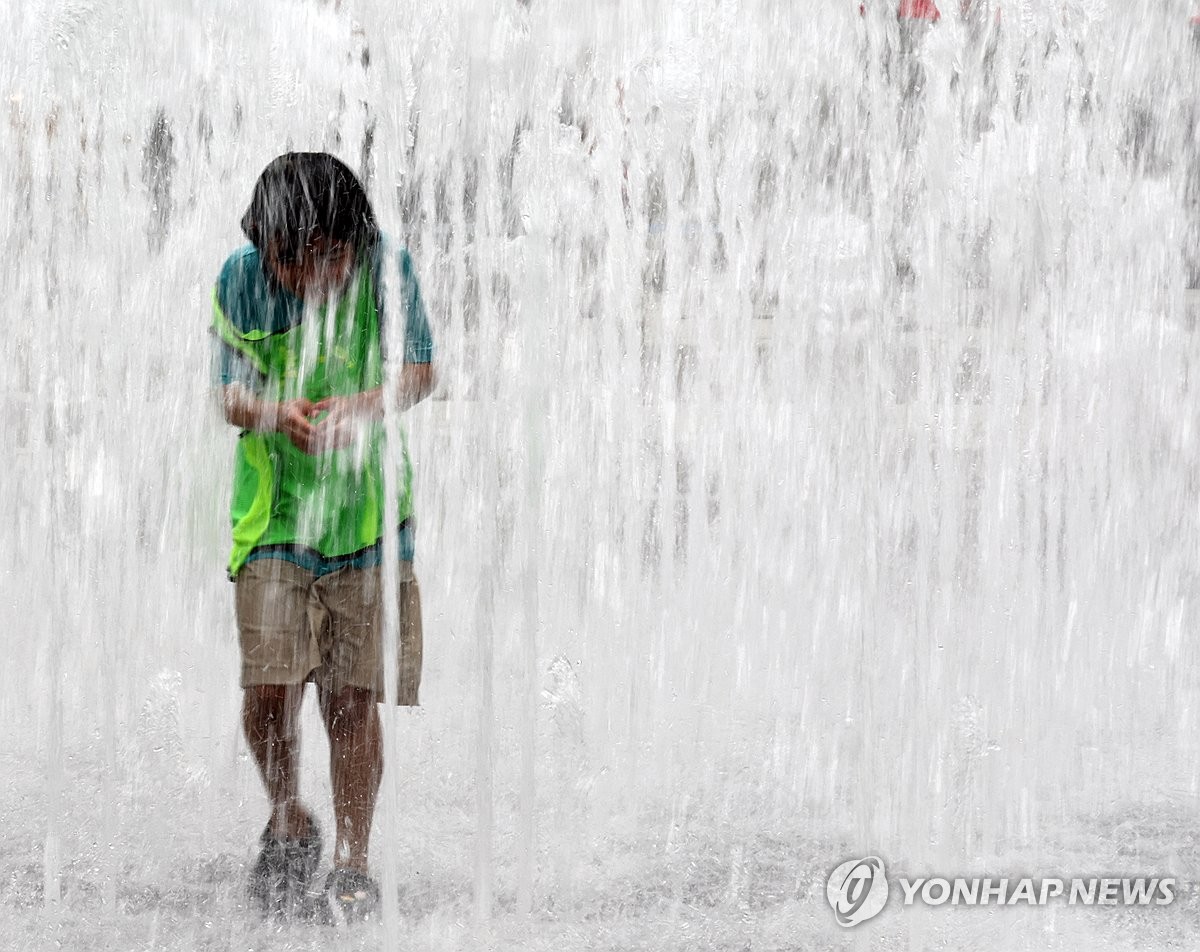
[418, 341]
[230, 367]
[234, 312]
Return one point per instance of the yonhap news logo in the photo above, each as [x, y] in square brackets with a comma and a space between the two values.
[857, 890]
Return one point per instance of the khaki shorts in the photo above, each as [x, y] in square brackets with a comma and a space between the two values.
[296, 627]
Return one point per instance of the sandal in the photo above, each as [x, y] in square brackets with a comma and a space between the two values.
[281, 876]
[355, 895]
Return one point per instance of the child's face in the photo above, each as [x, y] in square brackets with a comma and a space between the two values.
[322, 267]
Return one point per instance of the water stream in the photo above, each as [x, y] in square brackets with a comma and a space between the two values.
[812, 471]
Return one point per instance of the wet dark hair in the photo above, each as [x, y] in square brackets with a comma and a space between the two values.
[302, 195]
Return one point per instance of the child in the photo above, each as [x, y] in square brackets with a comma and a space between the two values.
[299, 319]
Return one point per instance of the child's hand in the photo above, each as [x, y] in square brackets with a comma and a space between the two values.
[338, 427]
[293, 420]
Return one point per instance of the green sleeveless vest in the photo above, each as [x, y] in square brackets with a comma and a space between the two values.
[331, 503]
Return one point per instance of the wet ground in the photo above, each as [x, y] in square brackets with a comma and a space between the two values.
[171, 873]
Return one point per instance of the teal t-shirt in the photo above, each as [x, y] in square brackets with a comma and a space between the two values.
[253, 303]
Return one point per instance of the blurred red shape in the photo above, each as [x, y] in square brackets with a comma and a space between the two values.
[918, 10]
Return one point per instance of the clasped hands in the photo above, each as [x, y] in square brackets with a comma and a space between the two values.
[325, 425]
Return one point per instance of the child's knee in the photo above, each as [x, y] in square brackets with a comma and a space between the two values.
[349, 708]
